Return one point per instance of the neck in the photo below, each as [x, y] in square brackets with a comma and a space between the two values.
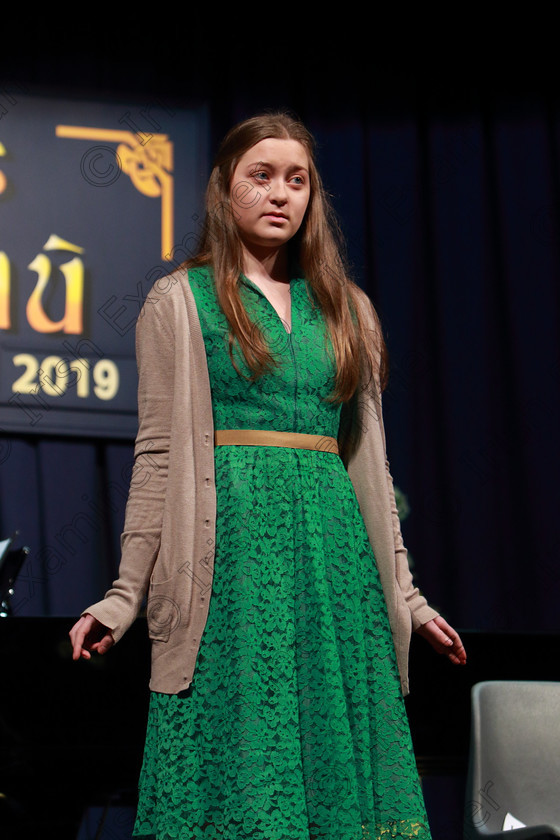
[266, 264]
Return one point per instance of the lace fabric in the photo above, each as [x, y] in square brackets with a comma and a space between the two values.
[294, 726]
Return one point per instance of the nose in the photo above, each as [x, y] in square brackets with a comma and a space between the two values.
[278, 193]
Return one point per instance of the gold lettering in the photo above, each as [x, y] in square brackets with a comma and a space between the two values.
[55, 243]
[73, 272]
[5, 320]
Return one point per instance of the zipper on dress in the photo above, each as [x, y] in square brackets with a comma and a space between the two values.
[289, 334]
[296, 380]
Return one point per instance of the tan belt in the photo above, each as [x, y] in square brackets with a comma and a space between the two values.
[265, 437]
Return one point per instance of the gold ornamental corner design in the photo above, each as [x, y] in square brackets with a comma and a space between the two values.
[148, 163]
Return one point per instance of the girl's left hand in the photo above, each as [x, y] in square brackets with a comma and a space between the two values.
[444, 639]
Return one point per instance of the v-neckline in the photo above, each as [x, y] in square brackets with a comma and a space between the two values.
[282, 321]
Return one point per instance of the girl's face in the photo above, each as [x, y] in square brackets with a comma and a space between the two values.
[270, 192]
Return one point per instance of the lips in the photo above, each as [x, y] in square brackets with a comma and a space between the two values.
[274, 216]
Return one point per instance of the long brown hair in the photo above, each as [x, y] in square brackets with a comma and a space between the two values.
[317, 250]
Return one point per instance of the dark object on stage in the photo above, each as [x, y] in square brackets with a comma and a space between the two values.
[11, 561]
[514, 764]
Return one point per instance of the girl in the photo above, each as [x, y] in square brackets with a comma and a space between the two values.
[262, 521]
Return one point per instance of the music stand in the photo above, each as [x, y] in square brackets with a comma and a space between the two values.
[11, 561]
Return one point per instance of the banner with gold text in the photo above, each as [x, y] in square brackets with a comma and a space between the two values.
[97, 202]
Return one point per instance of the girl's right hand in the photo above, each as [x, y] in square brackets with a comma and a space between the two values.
[89, 634]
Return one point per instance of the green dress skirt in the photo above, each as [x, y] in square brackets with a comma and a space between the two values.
[294, 726]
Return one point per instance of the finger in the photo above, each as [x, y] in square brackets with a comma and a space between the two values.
[458, 647]
[454, 640]
[462, 655]
[443, 638]
[77, 643]
[78, 635]
[445, 628]
[458, 655]
[457, 643]
[104, 644]
[451, 632]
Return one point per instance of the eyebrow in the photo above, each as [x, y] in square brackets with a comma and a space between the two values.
[292, 166]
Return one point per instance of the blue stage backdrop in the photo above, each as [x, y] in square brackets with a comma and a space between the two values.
[97, 203]
[453, 228]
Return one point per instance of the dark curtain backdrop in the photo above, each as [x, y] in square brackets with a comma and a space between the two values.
[447, 188]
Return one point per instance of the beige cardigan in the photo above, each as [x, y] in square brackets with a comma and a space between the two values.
[169, 533]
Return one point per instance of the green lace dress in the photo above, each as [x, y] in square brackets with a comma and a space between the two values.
[294, 726]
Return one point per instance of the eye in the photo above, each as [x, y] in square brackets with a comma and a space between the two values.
[259, 175]
[298, 180]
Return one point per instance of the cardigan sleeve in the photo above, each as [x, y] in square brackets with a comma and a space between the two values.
[420, 611]
[140, 540]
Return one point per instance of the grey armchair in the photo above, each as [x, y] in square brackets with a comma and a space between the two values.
[514, 763]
